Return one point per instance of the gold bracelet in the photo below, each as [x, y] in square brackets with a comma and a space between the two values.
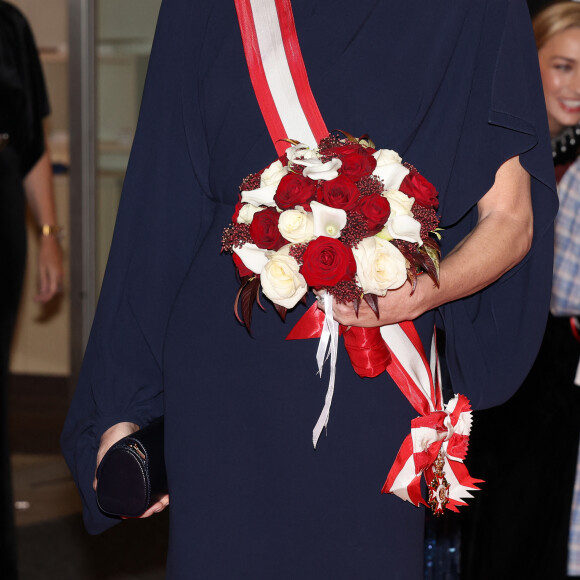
[50, 230]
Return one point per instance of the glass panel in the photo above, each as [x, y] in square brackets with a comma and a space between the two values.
[124, 33]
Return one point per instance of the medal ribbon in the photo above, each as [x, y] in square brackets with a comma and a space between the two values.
[438, 440]
[278, 72]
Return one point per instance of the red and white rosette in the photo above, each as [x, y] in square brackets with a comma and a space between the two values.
[437, 444]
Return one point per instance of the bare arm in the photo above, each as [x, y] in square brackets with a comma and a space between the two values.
[500, 240]
[40, 197]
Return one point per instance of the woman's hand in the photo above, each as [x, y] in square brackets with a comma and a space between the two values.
[109, 438]
[397, 306]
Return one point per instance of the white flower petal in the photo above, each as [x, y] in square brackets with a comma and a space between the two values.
[301, 151]
[254, 258]
[386, 156]
[404, 227]
[247, 212]
[392, 174]
[261, 196]
[282, 281]
[379, 266]
[326, 171]
[273, 174]
[296, 225]
[328, 221]
[401, 204]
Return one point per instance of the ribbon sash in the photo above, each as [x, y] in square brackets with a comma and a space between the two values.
[278, 72]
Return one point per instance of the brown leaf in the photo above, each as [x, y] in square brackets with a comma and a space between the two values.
[281, 310]
[430, 266]
[412, 277]
[260, 302]
[356, 305]
[248, 298]
[373, 301]
[244, 282]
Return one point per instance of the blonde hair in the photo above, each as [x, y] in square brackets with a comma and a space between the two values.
[555, 19]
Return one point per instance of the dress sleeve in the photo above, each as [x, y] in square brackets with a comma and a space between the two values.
[36, 98]
[493, 336]
[24, 98]
[162, 216]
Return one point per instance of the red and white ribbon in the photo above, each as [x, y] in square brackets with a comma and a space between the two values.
[278, 73]
[439, 429]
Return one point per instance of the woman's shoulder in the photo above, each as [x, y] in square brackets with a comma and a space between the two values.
[12, 15]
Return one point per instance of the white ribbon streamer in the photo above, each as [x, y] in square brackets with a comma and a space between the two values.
[327, 346]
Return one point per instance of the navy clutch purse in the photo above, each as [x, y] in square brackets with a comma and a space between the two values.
[131, 476]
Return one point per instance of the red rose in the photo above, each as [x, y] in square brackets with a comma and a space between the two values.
[375, 209]
[242, 270]
[340, 192]
[356, 161]
[424, 192]
[293, 190]
[264, 230]
[326, 262]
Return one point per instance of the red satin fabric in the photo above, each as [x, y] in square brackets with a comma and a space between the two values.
[366, 348]
[367, 351]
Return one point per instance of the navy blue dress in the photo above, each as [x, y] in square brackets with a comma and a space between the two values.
[454, 87]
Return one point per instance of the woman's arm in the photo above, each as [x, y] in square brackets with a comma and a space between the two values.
[40, 197]
[500, 240]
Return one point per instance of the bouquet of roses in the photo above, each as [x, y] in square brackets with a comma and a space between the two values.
[346, 217]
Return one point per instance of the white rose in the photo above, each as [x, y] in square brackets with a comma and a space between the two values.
[296, 225]
[246, 213]
[379, 266]
[389, 168]
[282, 281]
[273, 174]
[386, 157]
[400, 203]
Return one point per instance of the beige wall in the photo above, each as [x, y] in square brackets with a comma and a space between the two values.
[42, 339]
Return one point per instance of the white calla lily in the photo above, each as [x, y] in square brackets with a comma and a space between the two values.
[260, 196]
[328, 221]
[254, 258]
[300, 152]
[326, 171]
[404, 227]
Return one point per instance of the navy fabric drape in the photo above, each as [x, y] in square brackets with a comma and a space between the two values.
[453, 87]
